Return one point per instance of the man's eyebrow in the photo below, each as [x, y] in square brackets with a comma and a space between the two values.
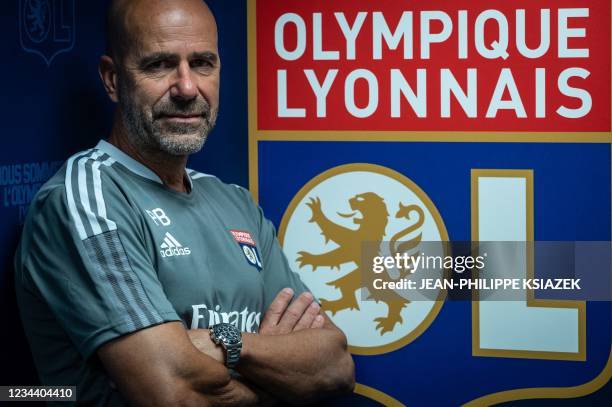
[160, 56]
[156, 56]
[206, 55]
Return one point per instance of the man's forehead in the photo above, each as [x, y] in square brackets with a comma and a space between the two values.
[187, 24]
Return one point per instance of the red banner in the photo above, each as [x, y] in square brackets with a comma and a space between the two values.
[537, 65]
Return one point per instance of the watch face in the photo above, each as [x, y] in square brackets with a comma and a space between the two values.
[227, 333]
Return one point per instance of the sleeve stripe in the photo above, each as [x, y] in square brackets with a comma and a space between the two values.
[111, 275]
[121, 262]
[70, 196]
[101, 239]
[94, 226]
[99, 198]
[84, 193]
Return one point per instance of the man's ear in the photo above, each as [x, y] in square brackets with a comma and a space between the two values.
[108, 74]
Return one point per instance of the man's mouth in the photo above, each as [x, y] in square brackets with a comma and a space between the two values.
[182, 118]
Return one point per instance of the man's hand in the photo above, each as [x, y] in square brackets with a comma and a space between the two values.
[292, 362]
[283, 318]
[200, 338]
[299, 355]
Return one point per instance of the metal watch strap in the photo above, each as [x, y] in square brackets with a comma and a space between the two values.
[232, 356]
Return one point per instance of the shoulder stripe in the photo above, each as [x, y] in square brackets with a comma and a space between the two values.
[195, 174]
[97, 190]
[200, 175]
[113, 273]
[70, 194]
[84, 193]
[84, 204]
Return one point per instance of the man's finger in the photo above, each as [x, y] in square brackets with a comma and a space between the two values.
[318, 322]
[309, 316]
[294, 312]
[277, 308]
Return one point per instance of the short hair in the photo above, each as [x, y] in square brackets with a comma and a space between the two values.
[115, 31]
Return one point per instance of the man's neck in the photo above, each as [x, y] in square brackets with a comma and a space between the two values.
[169, 168]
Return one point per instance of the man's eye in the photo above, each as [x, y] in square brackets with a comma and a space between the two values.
[156, 66]
[201, 63]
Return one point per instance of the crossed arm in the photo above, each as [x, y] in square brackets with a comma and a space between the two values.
[298, 356]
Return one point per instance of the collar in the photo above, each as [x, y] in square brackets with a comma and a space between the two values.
[131, 164]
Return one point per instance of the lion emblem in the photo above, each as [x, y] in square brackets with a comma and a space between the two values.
[38, 15]
[369, 211]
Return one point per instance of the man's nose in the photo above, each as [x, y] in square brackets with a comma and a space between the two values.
[184, 86]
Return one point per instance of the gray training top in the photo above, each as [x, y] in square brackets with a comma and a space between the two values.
[107, 250]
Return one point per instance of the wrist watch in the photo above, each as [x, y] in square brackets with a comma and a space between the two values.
[230, 339]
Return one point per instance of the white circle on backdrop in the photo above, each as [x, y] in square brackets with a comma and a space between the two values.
[335, 188]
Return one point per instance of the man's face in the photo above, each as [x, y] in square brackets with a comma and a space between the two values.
[168, 78]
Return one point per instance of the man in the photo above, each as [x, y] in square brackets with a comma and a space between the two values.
[124, 248]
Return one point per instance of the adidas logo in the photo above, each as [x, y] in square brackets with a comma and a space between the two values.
[171, 247]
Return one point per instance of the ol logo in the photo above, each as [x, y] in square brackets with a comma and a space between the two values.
[46, 27]
[323, 232]
[248, 247]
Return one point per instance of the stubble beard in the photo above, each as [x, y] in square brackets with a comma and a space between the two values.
[149, 132]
